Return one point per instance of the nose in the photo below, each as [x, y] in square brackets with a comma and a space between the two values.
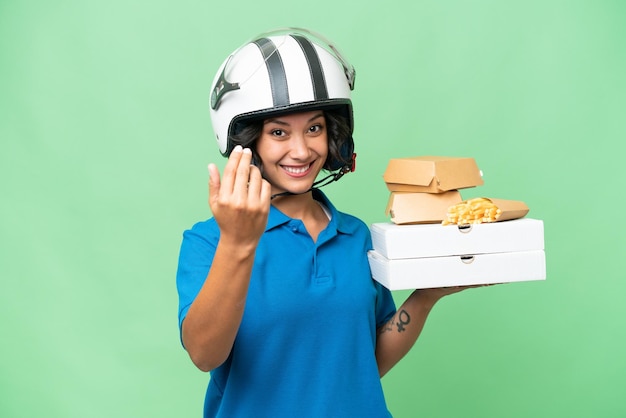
[300, 149]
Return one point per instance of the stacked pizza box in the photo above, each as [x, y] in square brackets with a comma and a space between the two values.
[424, 246]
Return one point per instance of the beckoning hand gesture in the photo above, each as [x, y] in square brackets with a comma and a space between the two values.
[240, 201]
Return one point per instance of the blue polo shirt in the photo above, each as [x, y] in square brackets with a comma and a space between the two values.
[305, 347]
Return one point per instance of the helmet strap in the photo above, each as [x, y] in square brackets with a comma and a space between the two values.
[326, 180]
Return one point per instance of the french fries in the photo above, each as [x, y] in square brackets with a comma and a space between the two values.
[472, 211]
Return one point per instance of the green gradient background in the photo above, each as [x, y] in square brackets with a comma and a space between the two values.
[104, 141]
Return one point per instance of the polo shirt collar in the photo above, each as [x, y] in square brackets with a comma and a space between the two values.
[338, 220]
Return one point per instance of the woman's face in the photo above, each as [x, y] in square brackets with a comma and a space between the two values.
[293, 150]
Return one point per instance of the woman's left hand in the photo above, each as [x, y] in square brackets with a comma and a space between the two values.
[436, 293]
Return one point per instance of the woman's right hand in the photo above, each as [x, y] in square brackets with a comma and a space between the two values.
[240, 201]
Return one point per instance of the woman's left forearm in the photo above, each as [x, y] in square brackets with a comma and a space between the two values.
[398, 335]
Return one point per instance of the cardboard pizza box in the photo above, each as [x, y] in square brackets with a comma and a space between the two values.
[470, 269]
[435, 240]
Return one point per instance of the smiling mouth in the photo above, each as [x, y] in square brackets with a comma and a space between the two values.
[297, 170]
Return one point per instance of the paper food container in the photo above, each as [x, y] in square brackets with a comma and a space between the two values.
[510, 209]
[409, 208]
[433, 255]
[434, 240]
[430, 174]
[422, 273]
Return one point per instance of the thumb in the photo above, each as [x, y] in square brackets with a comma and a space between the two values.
[214, 181]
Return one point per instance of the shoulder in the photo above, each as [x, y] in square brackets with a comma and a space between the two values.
[201, 234]
[205, 227]
[350, 224]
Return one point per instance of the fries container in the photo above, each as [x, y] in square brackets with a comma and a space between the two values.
[432, 255]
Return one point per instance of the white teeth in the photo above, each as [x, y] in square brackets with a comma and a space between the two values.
[296, 170]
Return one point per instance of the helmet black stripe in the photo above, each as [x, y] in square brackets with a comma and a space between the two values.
[315, 67]
[276, 70]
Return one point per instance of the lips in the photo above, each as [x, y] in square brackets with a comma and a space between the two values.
[297, 170]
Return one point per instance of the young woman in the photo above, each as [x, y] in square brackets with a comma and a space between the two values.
[276, 294]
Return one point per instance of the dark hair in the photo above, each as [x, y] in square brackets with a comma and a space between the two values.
[337, 128]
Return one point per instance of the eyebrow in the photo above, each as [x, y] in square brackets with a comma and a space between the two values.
[280, 122]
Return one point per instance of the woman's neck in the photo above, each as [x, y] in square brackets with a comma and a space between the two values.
[305, 208]
[296, 206]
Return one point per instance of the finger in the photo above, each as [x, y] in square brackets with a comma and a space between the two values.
[230, 170]
[266, 192]
[214, 182]
[254, 182]
[243, 172]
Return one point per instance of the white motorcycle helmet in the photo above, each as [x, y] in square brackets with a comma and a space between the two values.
[278, 72]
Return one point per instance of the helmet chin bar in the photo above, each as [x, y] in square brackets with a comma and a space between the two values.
[326, 180]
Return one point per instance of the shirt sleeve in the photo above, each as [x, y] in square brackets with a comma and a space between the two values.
[194, 261]
[385, 305]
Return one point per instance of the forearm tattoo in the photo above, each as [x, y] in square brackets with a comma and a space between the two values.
[399, 322]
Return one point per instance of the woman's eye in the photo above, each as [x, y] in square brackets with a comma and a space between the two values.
[315, 128]
[278, 132]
